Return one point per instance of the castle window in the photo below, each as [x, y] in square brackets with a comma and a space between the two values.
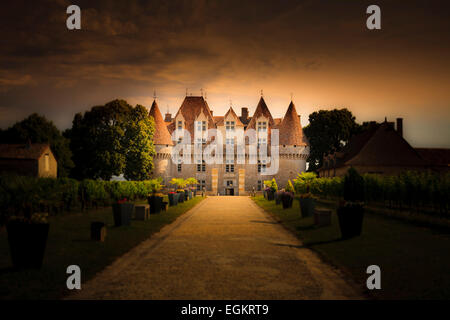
[180, 125]
[262, 141]
[230, 141]
[262, 126]
[179, 167]
[262, 166]
[201, 125]
[230, 125]
[179, 140]
[229, 167]
[201, 185]
[201, 167]
[260, 185]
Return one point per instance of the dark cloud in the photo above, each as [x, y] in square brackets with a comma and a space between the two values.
[320, 50]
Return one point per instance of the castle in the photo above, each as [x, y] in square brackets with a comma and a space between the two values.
[241, 173]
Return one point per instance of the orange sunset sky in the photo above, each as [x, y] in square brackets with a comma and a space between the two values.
[320, 51]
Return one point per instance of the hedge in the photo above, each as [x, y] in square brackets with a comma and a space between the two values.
[23, 195]
[410, 189]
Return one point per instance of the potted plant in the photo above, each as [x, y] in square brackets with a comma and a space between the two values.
[180, 183]
[351, 211]
[287, 197]
[173, 198]
[271, 188]
[27, 239]
[278, 196]
[122, 211]
[302, 186]
[156, 198]
[192, 182]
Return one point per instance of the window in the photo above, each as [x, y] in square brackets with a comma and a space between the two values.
[229, 183]
[201, 167]
[229, 167]
[262, 141]
[47, 162]
[260, 185]
[262, 166]
[180, 125]
[262, 126]
[179, 167]
[179, 140]
[201, 125]
[201, 185]
[230, 141]
[230, 125]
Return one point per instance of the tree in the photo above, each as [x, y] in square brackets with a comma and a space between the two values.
[112, 139]
[327, 131]
[139, 148]
[37, 129]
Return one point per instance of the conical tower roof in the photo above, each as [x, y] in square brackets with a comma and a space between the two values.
[291, 132]
[162, 135]
[261, 110]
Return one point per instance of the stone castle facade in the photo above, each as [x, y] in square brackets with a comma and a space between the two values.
[239, 174]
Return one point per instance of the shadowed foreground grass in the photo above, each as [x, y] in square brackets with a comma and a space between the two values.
[69, 244]
[414, 261]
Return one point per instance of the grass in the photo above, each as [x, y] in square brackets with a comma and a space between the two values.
[69, 244]
[414, 260]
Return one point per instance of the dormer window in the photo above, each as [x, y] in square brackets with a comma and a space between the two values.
[230, 125]
[201, 125]
[180, 125]
[262, 126]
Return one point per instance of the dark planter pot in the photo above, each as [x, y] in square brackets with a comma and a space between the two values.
[287, 198]
[27, 244]
[270, 195]
[98, 231]
[278, 196]
[307, 207]
[322, 217]
[173, 199]
[181, 197]
[155, 203]
[122, 213]
[350, 220]
[186, 195]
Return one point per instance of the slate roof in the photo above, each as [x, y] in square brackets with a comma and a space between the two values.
[379, 145]
[190, 109]
[221, 122]
[261, 110]
[23, 151]
[291, 132]
[435, 156]
[162, 135]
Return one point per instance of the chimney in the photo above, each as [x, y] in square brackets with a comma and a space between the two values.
[168, 117]
[400, 126]
[212, 113]
[244, 114]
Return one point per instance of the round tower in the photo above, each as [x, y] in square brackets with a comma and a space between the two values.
[294, 147]
[163, 146]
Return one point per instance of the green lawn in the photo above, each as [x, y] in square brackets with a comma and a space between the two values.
[69, 243]
[414, 261]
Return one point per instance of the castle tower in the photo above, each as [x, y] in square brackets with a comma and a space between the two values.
[294, 149]
[163, 145]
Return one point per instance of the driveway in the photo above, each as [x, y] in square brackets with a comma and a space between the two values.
[224, 248]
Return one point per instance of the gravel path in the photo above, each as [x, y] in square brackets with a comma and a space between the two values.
[224, 248]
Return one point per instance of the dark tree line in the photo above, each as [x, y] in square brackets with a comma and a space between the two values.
[108, 140]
